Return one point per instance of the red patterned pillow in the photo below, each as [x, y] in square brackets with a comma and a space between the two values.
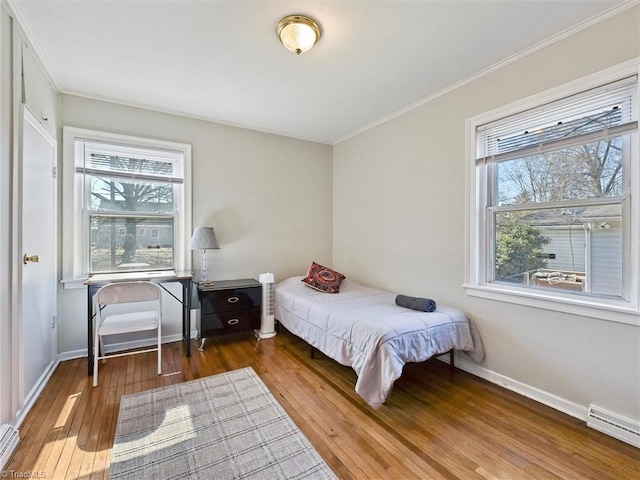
[323, 279]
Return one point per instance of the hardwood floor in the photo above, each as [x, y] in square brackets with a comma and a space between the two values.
[434, 425]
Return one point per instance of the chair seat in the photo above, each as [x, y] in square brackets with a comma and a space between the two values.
[127, 322]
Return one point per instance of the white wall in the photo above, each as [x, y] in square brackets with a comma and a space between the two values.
[399, 223]
[268, 197]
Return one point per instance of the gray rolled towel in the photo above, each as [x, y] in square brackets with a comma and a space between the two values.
[416, 303]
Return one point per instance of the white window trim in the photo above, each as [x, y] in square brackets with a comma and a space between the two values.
[72, 239]
[475, 285]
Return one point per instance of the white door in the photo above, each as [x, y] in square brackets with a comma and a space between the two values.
[38, 228]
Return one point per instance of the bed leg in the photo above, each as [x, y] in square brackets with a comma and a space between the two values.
[312, 353]
[452, 362]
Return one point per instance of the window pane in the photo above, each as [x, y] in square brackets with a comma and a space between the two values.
[118, 246]
[591, 170]
[577, 250]
[114, 195]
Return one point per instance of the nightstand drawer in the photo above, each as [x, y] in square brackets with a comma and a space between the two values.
[230, 299]
[228, 322]
[229, 306]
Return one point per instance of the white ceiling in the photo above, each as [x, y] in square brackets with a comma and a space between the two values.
[221, 61]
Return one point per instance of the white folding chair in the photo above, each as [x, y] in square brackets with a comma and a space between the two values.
[120, 323]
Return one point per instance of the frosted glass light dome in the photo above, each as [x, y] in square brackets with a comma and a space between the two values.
[298, 33]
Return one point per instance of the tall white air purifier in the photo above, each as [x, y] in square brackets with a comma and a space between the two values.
[267, 325]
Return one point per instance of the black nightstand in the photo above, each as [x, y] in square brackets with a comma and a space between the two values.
[229, 306]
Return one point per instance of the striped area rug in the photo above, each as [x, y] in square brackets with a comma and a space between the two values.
[225, 426]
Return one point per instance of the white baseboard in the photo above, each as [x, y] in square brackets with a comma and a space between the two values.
[9, 439]
[609, 423]
[573, 409]
[146, 342]
[35, 392]
[114, 347]
[72, 354]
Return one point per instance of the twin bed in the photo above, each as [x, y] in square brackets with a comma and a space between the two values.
[362, 327]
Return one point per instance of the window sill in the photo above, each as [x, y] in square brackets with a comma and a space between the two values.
[73, 283]
[603, 309]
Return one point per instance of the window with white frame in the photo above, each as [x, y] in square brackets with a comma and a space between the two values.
[119, 189]
[554, 212]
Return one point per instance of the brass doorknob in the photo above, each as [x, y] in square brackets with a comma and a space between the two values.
[30, 258]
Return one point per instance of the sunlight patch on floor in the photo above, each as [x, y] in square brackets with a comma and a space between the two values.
[176, 428]
[66, 411]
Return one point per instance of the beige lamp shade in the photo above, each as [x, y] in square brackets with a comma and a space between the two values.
[203, 239]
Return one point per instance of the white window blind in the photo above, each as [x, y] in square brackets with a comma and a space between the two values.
[597, 114]
[126, 162]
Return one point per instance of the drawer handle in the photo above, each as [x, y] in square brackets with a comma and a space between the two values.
[233, 321]
[232, 299]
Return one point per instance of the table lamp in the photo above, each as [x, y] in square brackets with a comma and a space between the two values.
[203, 239]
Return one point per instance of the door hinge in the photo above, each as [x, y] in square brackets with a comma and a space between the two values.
[55, 172]
[53, 322]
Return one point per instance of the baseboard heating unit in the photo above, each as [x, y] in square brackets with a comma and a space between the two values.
[8, 442]
[615, 425]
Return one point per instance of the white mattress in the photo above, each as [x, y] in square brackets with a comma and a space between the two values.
[362, 327]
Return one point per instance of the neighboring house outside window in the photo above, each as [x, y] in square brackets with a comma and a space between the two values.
[555, 210]
[119, 190]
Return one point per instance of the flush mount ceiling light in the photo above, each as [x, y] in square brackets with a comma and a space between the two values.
[298, 33]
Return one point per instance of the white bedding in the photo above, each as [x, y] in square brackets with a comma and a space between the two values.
[363, 328]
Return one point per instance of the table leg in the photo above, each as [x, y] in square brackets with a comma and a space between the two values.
[186, 316]
[90, 292]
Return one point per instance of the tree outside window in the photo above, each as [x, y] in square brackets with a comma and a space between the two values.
[555, 175]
